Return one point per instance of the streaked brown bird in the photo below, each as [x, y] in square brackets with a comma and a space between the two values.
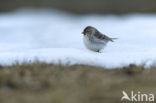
[95, 40]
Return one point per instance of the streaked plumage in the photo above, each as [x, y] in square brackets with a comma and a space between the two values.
[94, 40]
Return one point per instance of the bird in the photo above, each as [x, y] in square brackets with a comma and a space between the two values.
[94, 40]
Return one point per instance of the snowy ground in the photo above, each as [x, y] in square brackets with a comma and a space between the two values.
[53, 36]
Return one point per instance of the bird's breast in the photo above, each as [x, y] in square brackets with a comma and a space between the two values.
[90, 44]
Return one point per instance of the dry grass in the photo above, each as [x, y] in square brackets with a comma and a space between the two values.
[48, 83]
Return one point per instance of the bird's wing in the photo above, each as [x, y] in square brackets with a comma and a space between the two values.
[102, 37]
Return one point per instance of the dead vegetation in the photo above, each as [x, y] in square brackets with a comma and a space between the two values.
[49, 83]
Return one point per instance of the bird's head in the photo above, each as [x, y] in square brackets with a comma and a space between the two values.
[89, 30]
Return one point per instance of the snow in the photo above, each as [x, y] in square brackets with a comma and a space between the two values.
[55, 37]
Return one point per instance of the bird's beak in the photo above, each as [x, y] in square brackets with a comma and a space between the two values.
[83, 33]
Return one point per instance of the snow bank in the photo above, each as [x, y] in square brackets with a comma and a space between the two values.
[53, 36]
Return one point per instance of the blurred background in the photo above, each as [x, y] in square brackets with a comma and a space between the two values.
[40, 22]
[84, 6]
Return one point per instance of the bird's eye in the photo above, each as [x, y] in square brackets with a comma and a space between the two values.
[89, 32]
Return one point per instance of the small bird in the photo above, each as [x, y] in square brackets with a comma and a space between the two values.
[95, 40]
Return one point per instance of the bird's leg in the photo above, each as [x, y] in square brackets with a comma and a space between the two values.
[98, 51]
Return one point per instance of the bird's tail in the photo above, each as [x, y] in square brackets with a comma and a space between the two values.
[112, 39]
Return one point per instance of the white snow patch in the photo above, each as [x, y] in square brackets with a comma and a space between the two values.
[55, 37]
